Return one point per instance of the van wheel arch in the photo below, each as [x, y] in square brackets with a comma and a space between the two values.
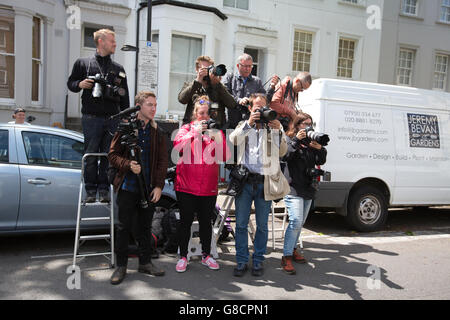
[367, 205]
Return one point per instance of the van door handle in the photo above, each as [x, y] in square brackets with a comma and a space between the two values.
[39, 181]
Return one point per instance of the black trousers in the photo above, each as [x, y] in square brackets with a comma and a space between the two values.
[133, 220]
[190, 204]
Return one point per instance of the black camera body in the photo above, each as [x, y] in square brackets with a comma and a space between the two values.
[311, 135]
[266, 115]
[211, 124]
[108, 87]
[238, 177]
[218, 71]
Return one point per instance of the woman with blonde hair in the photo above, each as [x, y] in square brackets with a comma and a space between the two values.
[197, 178]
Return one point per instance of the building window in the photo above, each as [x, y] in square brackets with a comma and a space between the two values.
[409, 7]
[440, 72]
[7, 57]
[36, 73]
[405, 67]
[255, 55]
[445, 11]
[185, 51]
[239, 4]
[88, 35]
[301, 60]
[346, 58]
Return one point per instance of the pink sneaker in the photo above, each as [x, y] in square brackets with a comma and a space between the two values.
[181, 265]
[210, 263]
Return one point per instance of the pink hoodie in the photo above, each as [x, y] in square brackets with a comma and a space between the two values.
[198, 171]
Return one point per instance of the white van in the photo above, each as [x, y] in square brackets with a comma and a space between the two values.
[390, 147]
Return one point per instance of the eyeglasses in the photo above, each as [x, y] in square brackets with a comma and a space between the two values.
[246, 66]
[202, 102]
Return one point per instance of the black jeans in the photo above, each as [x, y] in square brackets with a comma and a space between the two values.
[133, 220]
[98, 133]
[189, 205]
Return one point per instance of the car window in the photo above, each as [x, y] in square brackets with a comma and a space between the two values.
[52, 150]
[4, 157]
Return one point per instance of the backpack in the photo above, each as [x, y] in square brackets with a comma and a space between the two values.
[170, 224]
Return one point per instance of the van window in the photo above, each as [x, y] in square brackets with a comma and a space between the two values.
[52, 150]
[4, 156]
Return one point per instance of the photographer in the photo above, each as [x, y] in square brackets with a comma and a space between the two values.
[206, 83]
[241, 85]
[153, 168]
[196, 179]
[109, 97]
[256, 154]
[285, 98]
[302, 157]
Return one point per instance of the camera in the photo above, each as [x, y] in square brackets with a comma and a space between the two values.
[218, 71]
[238, 176]
[108, 87]
[211, 124]
[315, 173]
[311, 135]
[266, 115]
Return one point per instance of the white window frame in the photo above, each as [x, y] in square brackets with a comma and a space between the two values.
[200, 37]
[445, 7]
[355, 52]
[41, 69]
[235, 6]
[407, 5]
[438, 72]
[311, 55]
[11, 101]
[411, 70]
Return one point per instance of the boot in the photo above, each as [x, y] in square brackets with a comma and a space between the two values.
[152, 269]
[286, 264]
[118, 275]
[298, 257]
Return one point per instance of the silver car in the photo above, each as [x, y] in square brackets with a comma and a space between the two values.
[40, 175]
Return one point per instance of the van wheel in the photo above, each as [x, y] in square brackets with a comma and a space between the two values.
[367, 209]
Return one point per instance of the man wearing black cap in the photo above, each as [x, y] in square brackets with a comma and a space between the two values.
[96, 108]
[19, 116]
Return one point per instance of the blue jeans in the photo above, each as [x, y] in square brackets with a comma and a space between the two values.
[98, 133]
[243, 204]
[298, 209]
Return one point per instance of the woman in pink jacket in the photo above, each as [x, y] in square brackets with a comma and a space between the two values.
[201, 150]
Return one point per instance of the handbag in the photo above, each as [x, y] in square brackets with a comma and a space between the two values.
[276, 186]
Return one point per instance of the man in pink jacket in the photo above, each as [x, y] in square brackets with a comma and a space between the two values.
[286, 94]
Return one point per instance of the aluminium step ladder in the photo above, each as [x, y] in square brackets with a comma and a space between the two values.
[109, 237]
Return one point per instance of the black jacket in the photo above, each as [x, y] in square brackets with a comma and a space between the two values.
[217, 93]
[85, 67]
[298, 159]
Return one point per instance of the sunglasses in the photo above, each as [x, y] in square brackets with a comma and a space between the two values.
[202, 102]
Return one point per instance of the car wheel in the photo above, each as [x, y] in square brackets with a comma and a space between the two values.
[367, 209]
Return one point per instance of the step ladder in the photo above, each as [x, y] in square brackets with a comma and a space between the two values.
[109, 237]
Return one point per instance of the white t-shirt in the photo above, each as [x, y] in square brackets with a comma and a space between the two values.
[13, 122]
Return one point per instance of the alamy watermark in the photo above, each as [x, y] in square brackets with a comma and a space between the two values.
[74, 19]
[374, 281]
[74, 279]
[375, 18]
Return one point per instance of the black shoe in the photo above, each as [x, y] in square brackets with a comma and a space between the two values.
[240, 269]
[91, 196]
[150, 268]
[257, 269]
[118, 275]
[103, 196]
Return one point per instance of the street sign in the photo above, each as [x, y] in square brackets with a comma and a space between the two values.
[148, 66]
